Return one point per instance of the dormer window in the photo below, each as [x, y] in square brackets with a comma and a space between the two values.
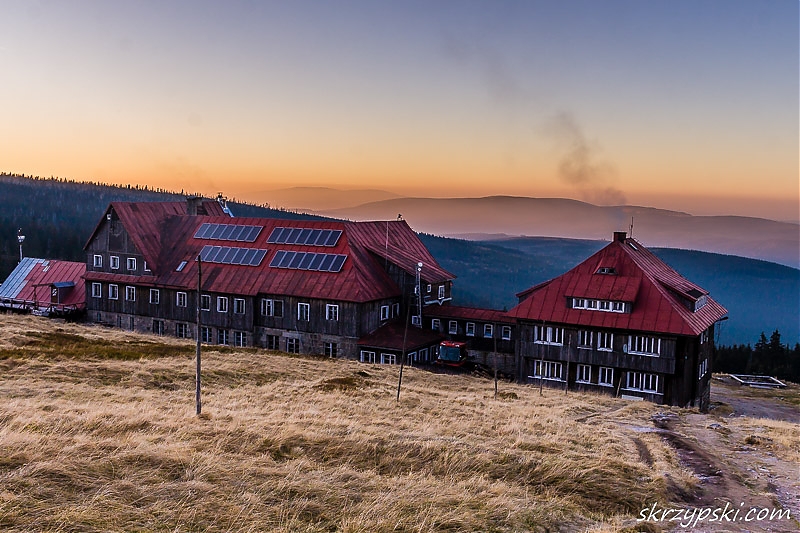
[606, 270]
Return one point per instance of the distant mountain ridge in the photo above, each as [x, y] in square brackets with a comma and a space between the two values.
[756, 238]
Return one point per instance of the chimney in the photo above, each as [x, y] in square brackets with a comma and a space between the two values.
[192, 204]
[619, 236]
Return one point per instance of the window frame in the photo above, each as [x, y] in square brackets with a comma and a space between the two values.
[605, 341]
[605, 376]
[205, 302]
[303, 311]
[332, 312]
[384, 313]
[113, 291]
[583, 373]
[181, 299]
[488, 331]
[503, 335]
[130, 293]
[585, 335]
[155, 296]
[97, 290]
[452, 327]
[330, 349]
[130, 263]
[470, 329]
[223, 337]
[222, 304]
[436, 324]
[442, 292]
[240, 339]
[158, 327]
[114, 262]
[239, 306]
[97, 261]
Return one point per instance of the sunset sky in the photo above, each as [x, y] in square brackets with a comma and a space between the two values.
[688, 105]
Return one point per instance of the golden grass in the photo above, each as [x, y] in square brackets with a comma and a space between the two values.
[98, 433]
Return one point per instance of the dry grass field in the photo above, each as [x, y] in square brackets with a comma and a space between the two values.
[98, 433]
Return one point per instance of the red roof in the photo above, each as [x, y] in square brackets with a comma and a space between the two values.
[390, 336]
[660, 298]
[31, 281]
[166, 238]
[467, 313]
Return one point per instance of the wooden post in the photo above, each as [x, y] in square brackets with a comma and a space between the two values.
[569, 358]
[541, 357]
[403, 352]
[198, 404]
[495, 362]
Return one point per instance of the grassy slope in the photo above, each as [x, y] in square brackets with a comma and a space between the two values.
[98, 433]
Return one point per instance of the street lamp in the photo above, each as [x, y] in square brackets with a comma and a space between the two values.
[20, 239]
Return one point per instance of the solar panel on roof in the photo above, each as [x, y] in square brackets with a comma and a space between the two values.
[322, 237]
[308, 261]
[229, 255]
[334, 238]
[304, 236]
[228, 232]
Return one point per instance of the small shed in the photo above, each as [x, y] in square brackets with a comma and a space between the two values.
[45, 287]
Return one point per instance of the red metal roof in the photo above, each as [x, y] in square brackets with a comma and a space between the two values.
[390, 336]
[169, 240]
[467, 313]
[642, 279]
[41, 275]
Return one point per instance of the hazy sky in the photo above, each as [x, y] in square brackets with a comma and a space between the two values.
[689, 105]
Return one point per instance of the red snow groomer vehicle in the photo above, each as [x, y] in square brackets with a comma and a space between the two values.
[452, 353]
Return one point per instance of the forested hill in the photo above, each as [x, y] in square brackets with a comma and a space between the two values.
[57, 215]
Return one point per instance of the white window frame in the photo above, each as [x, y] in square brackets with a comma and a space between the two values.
[292, 345]
[205, 334]
[548, 335]
[303, 311]
[222, 304]
[97, 261]
[441, 292]
[239, 306]
[158, 326]
[605, 376]
[384, 312]
[97, 290]
[240, 339]
[223, 337]
[145, 267]
[452, 327]
[429, 288]
[368, 356]
[505, 333]
[642, 381]
[130, 293]
[181, 299]
[130, 263]
[644, 345]
[702, 369]
[470, 331]
[155, 296]
[488, 330]
[331, 311]
[553, 370]
[113, 291]
[436, 324]
[388, 359]
[269, 307]
[585, 338]
[114, 262]
[583, 374]
[205, 302]
[605, 341]
[395, 309]
[330, 349]
[182, 330]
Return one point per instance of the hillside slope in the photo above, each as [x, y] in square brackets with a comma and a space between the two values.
[99, 434]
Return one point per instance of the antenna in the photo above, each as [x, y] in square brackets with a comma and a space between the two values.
[630, 231]
[20, 240]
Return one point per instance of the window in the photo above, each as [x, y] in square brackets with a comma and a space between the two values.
[145, 267]
[505, 333]
[436, 324]
[272, 342]
[292, 345]
[158, 327]
[547, 370]
[239, 339]
[131, 323]
[131, 263]
[303, 311]
[367, 357]
[423, 354]
[331, 349]
[452, 327]
[704, 337]
[222, 336]
[113, 292]
[98, 261]
[585, 339]
[222, 304]
[155, 296]
[205, 302]
[605, 376]
[702, 369]
[384, 312]
[395, 310]
[238, 306]
[441, 291]
[602, 305]
[416, 321]
[114, 262]
[97, 290]
[584, 374]
[605, 305]
[548, 335]
[471, 329]
[205, 334]
[271, 307]
[488, 330]
[388, 359]
[642, 382]
[180, 299]
[182, 331]
[644, 345]
[180, 266]
[605, 341]
[618, 307]
[331, 312]
[429, 288]
[130, 294]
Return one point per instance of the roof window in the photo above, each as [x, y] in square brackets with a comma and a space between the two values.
[606, 270]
